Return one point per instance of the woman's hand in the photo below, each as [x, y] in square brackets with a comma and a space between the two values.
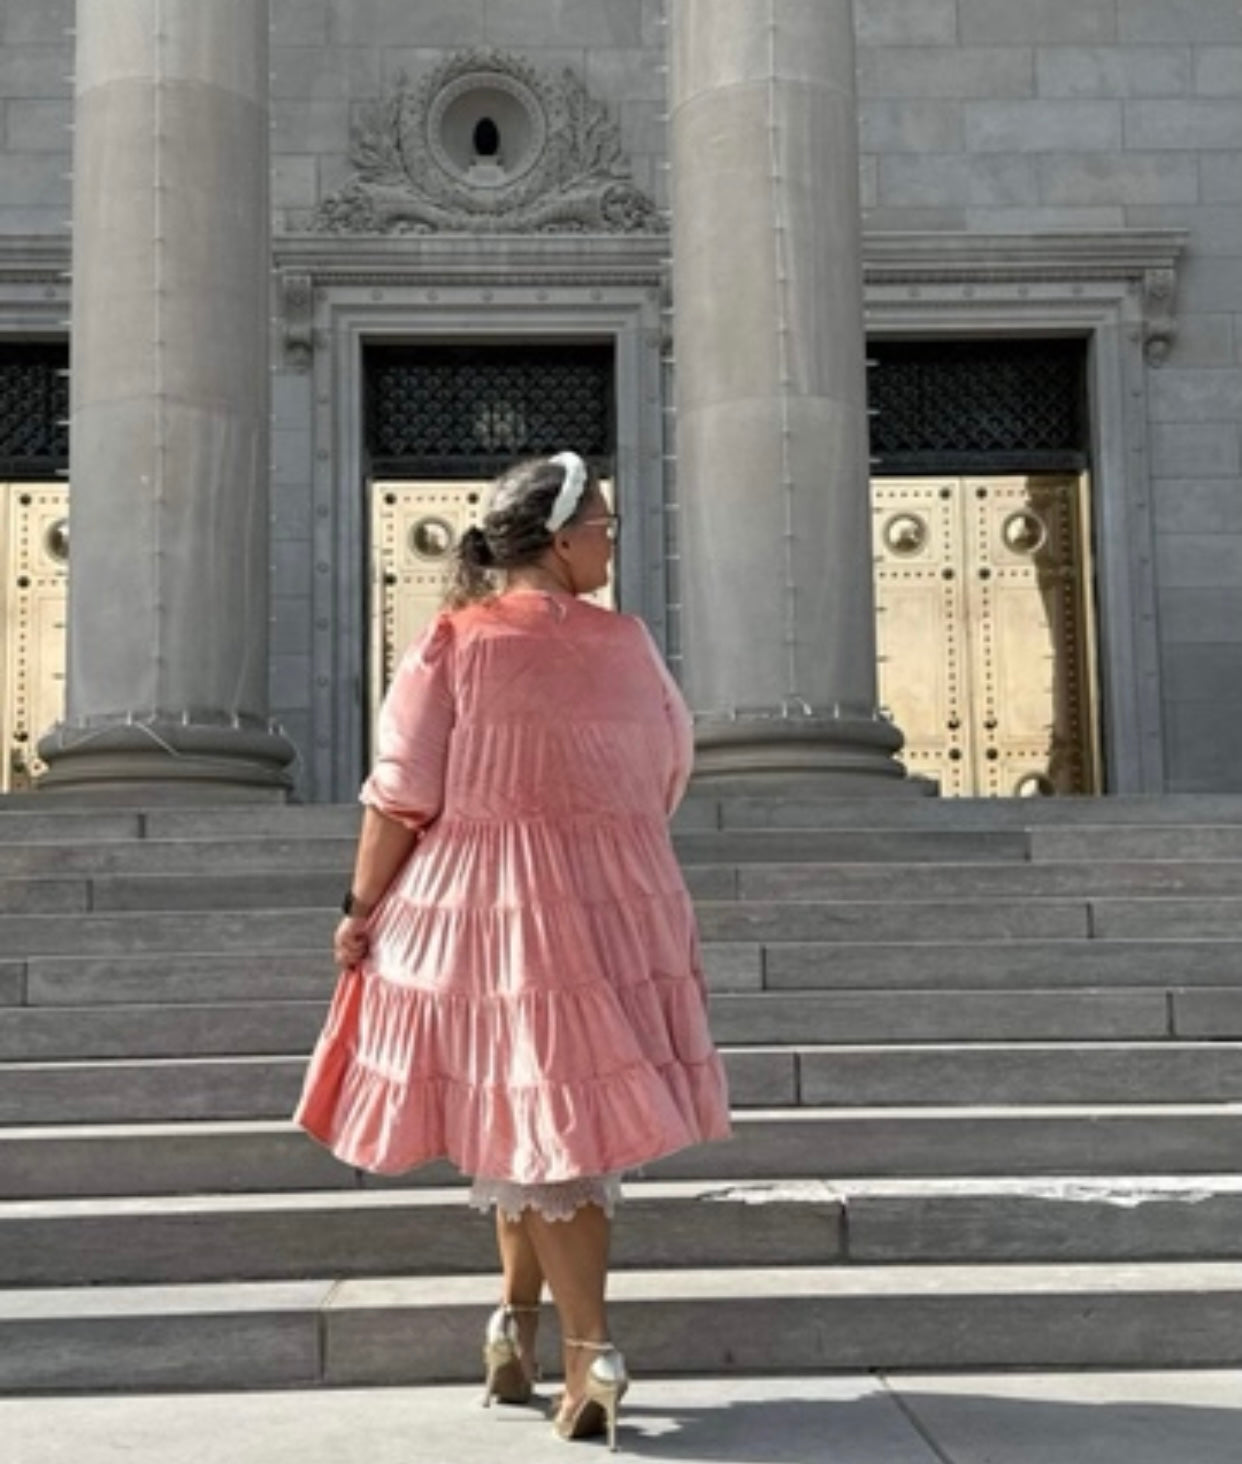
[351, 941]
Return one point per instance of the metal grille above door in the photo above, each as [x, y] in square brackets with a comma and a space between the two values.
[984, 406]
[469, 411]
[34, 408]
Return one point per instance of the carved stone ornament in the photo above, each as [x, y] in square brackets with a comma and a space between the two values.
[486, 143]
[298, 301]
[1160, 326]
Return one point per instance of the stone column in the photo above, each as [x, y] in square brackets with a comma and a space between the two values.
[168, 584]
[775, 536]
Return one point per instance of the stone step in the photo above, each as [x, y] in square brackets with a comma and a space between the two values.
[875, 920]
[155, 1240]
[223, 932]
[831, 882]
[377, 1232]
[105, 1159]
[292, 974]
[226, 883]
[135, 858]
[816, 812]
[938, 1074]
[43, 1034]
[377, 1331]
[1001, 964]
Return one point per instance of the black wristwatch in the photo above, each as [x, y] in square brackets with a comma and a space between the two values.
[352, 905]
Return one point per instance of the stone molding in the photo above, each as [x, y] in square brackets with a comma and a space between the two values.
[572, 175]
[1142, 261]
[545, 267]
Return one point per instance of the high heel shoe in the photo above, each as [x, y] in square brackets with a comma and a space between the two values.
[606, 1383]
[508, 1380]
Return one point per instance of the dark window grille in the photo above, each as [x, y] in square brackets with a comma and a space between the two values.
[471, 411]
[978, 406]
[34, 408]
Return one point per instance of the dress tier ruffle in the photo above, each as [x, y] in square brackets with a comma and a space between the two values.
[532, 1006]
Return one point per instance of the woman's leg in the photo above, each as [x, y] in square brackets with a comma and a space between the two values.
[523, 1280]
[574, 1256]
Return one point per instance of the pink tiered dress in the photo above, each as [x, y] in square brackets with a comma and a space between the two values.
[532, 1006]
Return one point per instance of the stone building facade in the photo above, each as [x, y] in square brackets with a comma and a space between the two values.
[1030, 170]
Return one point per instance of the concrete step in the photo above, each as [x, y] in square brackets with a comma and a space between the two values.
[112, 1159]
[71, 981]
[223, 932]
[43, 1034]
[364, 1332]
[1021, 967]
[937, 1074]
[1140, 878]
[225, 883]
[875, 920]
[798, 811]
[371, 1232]
[996, 965]
[432, 1232]
[135, 858]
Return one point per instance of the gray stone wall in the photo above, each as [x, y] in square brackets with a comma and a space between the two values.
[998, 115]
[36, 58]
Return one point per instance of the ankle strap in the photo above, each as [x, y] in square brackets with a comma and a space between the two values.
[512, 1306]
[592, 1346]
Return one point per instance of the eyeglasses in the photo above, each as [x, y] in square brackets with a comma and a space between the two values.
[610, 521]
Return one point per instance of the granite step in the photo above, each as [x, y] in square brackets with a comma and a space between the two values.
[135, 858]
[302, 972]
[135, 1090]
[225, 931]
[220, 1028]
[183, 877]
[179, 1240]
[379, 1331]
[249, 1156]
[807, 810]
[995, 965]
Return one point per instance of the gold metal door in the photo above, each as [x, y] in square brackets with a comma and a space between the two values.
[415, 527]
[34, 547]
[985, 633]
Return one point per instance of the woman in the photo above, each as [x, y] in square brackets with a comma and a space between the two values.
[522, 990]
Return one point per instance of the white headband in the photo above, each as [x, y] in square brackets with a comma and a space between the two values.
[570, 496]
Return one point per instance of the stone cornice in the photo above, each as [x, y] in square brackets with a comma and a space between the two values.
[35, 259]
[1138, 262]
[950, 258]
[579, 259]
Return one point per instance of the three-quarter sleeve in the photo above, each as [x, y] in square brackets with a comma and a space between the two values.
[415, 727]
[680, 728]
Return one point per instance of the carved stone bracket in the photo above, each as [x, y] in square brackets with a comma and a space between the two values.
[1159, 291]
[297, 292]
[487, 144]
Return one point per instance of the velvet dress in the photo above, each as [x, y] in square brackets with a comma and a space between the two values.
[532, 1005]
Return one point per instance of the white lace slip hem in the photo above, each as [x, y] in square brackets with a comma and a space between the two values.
[553, 1201]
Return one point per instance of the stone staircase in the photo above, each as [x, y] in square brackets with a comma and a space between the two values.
[986, 1058]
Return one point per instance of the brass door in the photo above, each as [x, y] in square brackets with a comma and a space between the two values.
[34, 546]
[414, 528]
[984, 631]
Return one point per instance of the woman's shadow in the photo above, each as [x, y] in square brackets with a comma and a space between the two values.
[876, 1423]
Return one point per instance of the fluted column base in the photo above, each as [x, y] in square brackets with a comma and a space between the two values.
[846, 756]
[168, 758]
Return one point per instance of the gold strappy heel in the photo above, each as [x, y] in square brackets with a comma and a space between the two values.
[606, 1382]
[507, 1379]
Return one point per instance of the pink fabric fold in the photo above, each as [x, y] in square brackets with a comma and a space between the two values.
[533, 1005]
